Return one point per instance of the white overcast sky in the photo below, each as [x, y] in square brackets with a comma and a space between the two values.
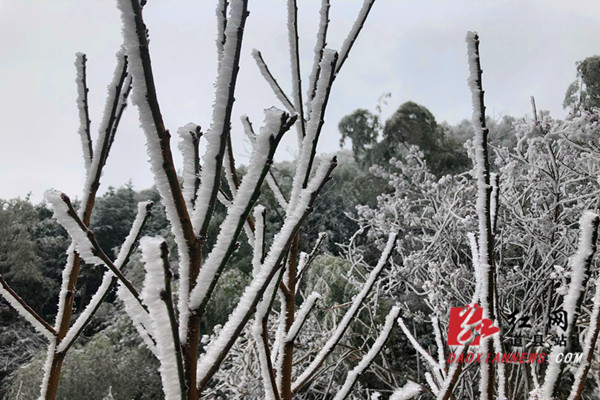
[413, 49]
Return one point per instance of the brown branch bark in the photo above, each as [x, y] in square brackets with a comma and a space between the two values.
[290, 312]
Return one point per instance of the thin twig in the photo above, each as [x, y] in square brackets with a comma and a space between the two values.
[167, 297]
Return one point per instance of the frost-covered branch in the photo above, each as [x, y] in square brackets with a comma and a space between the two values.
[109, 280]
[486, 271]
[159, 149]
[320, 45]
[155, 294]
[307, 259]
[190, 135]
[219, 347]
[572, 302]
[353, 35]
[362, 366]
[167, 297]
[445, 391]
[302, 315]
[84, 112]
[432, 363]
[84, 241]
[588, 348]
[216, 137]
[292, 24]
[25, 311]
[276, 124]
[271, 180]
[221, 24]
[407, 392]
[266, 73]
[494, 201]
[116, 101]
[230, 171]
[329, 346]
[259, 328]
[313, 128]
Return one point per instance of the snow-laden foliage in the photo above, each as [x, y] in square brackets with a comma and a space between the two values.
[546, 183]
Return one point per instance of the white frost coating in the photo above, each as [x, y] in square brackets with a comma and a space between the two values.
[480, 173]
[221, 23]
[407, 392]
[107, 280]
[279, 343]
[83, 246]
[300, 318]
[259, 234]
[302, 260]
[270, 177]
[138, 97]
[356, 304]
[139, 317]
[226, 236]
[439, 342]
[358, 23]
[312, 127]
[136, 227]
[103, 131]
[482, 203]
[257, 331]
[188, 151]
[276, 191]
[264, 365]
[247, 125]
[213, 136]
[248, 298]
[475, 260]
[22, 311]
[434, 364]
[433, 385]
[292, 23]
[270, 80]
[47, 367]
[451, 373]
[578, 273]
[81, 107]
[319, 46]
[154, 285]
[229, 171]
[362, 366]
[90, 177]
[500, 370]
[589, 344]
[493, 199]
[577, 285]
[64, 289]
[280, 332]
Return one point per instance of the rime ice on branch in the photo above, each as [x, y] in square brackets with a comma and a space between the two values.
[485, 243]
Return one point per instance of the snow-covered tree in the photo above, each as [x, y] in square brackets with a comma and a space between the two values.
[534, 216]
